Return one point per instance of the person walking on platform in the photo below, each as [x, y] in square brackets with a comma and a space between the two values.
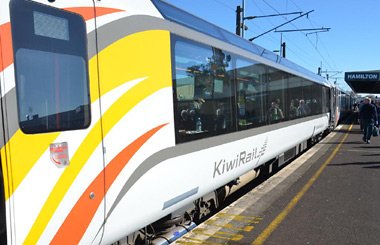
[360, 121]
[377, 104]
[368, 116]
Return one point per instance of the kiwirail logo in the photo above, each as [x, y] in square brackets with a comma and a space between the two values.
[223, 166]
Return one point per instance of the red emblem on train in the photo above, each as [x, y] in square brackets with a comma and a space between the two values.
[59, 154]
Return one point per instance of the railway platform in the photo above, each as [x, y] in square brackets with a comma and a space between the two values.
[329, 195]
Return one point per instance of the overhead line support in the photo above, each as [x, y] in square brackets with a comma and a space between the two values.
[253, 38]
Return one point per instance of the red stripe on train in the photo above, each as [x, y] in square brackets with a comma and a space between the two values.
[6, 54]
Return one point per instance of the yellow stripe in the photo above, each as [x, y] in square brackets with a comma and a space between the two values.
[154, 46]
[24, 151]
[6, 170]
[278, 220]
[145, 54]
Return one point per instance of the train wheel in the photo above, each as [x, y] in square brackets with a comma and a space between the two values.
[203, 208]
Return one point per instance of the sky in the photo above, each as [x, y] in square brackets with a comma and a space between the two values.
[352, 43]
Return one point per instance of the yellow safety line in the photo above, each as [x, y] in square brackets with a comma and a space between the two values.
[278, 220]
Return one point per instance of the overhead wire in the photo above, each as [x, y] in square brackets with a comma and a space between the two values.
[284, 38]
[325, 48]
[270, 38]
[225, 4]
[288, 39]
[308, 38]
[287, 36]
[302, 54]
[333, 67]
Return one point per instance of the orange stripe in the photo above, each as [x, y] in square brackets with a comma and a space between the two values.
[88, 12]
[6, 54]
[6, 50]
[76, 223]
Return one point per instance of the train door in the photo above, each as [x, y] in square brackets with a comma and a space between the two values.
[53, 149]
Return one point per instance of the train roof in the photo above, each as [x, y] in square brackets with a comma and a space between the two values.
[182, 17]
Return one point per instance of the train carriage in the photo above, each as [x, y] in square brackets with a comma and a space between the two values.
[116, 114]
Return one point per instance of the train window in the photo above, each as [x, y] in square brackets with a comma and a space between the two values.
[277, 85]
[307, 92]
[50, 50]
[296, 101]
[326, 99]
[316, 103]
[250, 93]
[203, 91]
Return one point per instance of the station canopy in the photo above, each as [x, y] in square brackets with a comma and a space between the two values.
[366, 82]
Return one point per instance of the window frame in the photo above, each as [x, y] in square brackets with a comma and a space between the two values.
[26, 35]
[214, 100]
[262, 81]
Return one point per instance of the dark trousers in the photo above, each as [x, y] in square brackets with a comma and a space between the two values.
[368, 125]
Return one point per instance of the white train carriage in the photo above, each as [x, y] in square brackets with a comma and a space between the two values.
[115, 114]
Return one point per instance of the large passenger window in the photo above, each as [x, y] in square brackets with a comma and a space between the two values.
[277, 88]
[50, 50]
[325, 100]
[316, 102]
[307, 92]
[251, 93]
[297, 104]
[203, 90]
